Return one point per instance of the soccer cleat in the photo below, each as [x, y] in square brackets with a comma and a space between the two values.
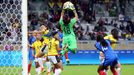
[68, 61]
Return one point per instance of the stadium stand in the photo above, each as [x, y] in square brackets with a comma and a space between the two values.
[100, 19]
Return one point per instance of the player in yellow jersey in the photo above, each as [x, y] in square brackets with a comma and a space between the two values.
[43, 30]
[53, 48]
[37, 45]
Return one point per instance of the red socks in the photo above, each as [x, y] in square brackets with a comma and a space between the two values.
[29, 68]
[66, 55]
[114, 71]
[102, 72]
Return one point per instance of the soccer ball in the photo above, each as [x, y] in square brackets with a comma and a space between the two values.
[68, 5]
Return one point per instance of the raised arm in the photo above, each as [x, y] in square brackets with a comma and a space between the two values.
[62, 13]
[75, 14]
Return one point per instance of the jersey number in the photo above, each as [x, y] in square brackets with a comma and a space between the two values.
[67, 30]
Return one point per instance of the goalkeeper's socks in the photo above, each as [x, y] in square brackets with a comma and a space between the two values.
[65, 50]
[66, 55]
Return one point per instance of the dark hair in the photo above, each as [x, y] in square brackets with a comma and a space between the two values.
[52, 32]
[66, 19]
[99, 38]
[104, 43]
[115, 33]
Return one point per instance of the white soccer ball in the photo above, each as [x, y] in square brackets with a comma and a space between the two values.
[68, 5]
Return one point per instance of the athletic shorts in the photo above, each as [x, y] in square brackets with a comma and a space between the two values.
[110, 62]
[31, 57]
[71, 41]
[54, 59]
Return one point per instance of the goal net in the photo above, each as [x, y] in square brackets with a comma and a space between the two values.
[12, 37]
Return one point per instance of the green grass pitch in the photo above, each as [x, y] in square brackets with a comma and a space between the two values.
[69, 70]
[90, 70]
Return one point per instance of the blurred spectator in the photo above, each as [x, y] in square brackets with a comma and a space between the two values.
[122, 27]
[121, 17]
[34, 23]
[92, 36]
[43, 18]
[51, 7]
[106, 21]
[31, 6]
[59, 3]
[130, 27]
[122, 5]
[9, 46]
[100, 27]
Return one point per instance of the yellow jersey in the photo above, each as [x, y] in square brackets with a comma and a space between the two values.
[37, 45]
[52, 47]
[112, 39]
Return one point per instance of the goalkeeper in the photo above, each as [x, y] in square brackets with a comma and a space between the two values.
[67, 24]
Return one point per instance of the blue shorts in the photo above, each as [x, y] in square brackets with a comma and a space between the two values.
[31, 57]
[110, 62]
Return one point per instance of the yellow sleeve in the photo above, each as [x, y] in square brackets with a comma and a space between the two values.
[112, 39]
[57, 42]
[106, 37]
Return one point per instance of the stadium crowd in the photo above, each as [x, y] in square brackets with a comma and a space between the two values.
[92, 24]
[87, 15]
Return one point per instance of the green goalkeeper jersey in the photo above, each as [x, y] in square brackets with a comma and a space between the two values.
[67, 29]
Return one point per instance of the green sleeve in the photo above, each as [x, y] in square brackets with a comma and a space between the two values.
[73, 21]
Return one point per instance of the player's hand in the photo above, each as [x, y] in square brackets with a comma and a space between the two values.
[29, 45]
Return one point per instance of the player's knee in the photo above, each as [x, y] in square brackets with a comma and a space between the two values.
[118, 65]
[37, 64]
[57, 66]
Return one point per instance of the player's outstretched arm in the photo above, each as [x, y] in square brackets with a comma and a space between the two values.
[62, 13]
[75, 14]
